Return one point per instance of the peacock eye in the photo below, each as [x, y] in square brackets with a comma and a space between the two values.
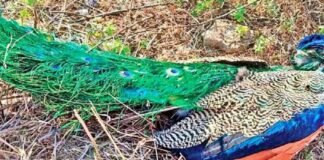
[126, 74]
[308, 87]
[56, 67]
[172, 72]
[87, 59]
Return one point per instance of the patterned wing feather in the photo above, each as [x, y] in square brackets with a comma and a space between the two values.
[248, 107]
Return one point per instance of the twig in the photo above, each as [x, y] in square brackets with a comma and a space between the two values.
[93, 141]
[8, 152]
[82, 3]
[52, 19]
[139, 144]
[84, 153]
[61, 19]
[66, 12]
[9, 145]
[146, 114]
[95, 113]
[138, 115]
[122, 11]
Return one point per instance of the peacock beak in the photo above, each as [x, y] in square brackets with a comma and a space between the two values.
[300, 58]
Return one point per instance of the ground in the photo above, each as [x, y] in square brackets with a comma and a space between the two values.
[159, 29]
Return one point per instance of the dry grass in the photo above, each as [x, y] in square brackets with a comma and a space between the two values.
[27, 132]
[168, 32]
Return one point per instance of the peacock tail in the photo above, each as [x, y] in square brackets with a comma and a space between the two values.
[66, 75]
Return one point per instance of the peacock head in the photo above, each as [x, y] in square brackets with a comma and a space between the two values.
[310, 53]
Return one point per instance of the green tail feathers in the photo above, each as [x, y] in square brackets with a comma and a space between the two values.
[64, 75]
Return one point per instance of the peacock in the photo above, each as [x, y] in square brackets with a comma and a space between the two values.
[66, 76]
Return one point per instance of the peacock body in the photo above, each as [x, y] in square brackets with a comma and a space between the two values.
[248, 108]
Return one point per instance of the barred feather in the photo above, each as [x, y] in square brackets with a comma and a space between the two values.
[248, 107]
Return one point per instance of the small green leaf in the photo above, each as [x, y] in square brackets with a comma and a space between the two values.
[252, 2]
[25, 14]
[260, 44]
[288, 24]
[144, 44]
[242, 30]
[239, 14]
[321, 29]
[110, 29]
[72, 124]
[117, 46]
[273, 9]
[203, 6]
[31, 3]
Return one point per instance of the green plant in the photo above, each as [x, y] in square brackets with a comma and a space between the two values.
[32, 3]
[242, 30]
[144, 44]
[220, 1]
[260, 44]
[253, 2]
[25, 14]
[99, 31]
[204, 5]
[288, 23]
[116, 45]
[239, 14]
[201, 7]
[321, 29]
[272, 8]
[110, 29]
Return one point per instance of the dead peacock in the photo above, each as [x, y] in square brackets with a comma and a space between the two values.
[66, 76]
